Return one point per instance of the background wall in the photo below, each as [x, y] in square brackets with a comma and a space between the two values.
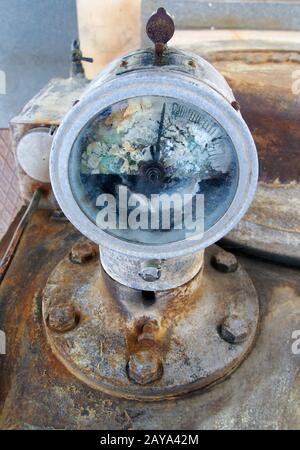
[107, 28]
[35, 42]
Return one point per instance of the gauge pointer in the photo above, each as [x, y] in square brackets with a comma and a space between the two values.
[155, 152]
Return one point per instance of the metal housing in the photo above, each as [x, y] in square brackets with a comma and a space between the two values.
[180, 75]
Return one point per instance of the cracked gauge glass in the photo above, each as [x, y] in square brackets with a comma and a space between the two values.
[153, 170]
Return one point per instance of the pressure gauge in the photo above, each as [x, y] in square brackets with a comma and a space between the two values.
[155, 160]
[154, 163]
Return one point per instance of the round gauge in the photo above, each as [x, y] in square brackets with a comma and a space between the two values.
[154, 162]
[153, 170]
[33, 151]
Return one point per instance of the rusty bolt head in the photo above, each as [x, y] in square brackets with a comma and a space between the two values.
[83, 251]
[224, 262]
[234, 330]
[148, 331]
[144, 367]
[62, 318]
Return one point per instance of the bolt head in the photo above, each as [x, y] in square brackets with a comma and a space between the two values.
[62, 318]
[150, 274]
[83, 251]
[224, 262]
[234, 330]
[144, 367]
[150, 271]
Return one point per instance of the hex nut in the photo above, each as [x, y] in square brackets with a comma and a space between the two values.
[83, 251]
[234, 330]
[144, 367]
[62, 318]
[150, 274]
[150, 271]
[224, 262]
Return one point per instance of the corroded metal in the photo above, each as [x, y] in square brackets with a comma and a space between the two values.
[62, 318]
[234, 329]
[270, 105]
[262, 394]
[160, 29]
[183, 352]
[224, 261]
[144, 367]
[14, 242]
[83, 251]
[77, 58]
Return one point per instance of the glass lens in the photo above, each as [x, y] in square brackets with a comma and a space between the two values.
[153, 170]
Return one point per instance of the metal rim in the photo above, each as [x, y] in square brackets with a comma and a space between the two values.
[162, 83]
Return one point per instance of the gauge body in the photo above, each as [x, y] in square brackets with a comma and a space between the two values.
[154, 162]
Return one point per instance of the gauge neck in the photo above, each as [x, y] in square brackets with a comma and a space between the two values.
[150, 274]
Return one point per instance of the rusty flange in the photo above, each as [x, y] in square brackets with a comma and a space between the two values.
[133, 345]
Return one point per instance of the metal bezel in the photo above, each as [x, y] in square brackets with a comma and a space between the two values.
[167, 83]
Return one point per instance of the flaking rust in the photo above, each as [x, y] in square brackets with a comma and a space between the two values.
[155, 349]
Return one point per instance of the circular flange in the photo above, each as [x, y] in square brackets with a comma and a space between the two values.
[194, 340]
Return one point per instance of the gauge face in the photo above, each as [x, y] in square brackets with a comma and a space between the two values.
[153, 170]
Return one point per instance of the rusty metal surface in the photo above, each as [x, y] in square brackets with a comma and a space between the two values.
[10, 250]
[36, 391]
[111, 317]
[262, 79]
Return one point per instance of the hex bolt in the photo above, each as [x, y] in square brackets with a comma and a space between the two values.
[148, 332]
[144, 367]
[83, 251]
[151, 271]
[224, 262]
[62, 318]
[234, 330]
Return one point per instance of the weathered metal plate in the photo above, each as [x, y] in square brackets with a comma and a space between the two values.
[193, 353]
[36, 391]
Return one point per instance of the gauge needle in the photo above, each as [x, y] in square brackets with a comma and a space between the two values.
[156, 153]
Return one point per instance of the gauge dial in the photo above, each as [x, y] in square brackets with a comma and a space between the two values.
[153, 146]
